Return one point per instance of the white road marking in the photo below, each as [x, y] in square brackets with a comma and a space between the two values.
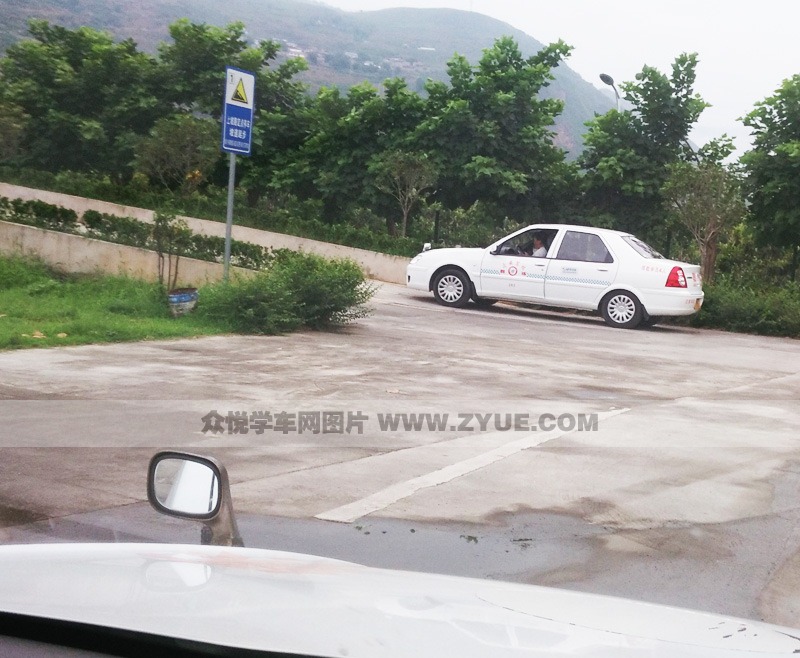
[390, 495]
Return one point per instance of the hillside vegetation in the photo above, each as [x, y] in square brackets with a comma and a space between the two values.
[342, 48]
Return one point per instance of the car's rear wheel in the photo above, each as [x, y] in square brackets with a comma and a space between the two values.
[452, 287]
[621, 309]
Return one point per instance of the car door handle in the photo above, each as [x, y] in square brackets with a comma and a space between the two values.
[602, 269]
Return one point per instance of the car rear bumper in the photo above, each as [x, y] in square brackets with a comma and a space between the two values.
[674, 302]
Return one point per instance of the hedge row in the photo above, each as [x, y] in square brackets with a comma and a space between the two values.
[127, 231]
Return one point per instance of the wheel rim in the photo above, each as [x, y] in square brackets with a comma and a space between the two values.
[450, 288]
[621, 309]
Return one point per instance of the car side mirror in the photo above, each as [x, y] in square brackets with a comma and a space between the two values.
[193, 487]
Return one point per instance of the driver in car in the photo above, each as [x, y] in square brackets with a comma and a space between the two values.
[539, 250]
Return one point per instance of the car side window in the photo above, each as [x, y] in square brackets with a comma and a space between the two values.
[586, 247]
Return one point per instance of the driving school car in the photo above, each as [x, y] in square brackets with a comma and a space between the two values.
[581, 267]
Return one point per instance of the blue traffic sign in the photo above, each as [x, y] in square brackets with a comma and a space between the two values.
[237, 114]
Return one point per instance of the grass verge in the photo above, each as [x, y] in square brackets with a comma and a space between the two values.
[40, 307]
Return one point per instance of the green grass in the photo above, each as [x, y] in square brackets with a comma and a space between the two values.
[40, 307]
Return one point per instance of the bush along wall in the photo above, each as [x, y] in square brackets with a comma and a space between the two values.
[128, 231]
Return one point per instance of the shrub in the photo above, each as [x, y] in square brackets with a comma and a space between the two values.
[40, 214]
[295, 290]
[326, 292]
[773, 311]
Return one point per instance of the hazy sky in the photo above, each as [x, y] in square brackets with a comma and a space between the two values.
[745, 49]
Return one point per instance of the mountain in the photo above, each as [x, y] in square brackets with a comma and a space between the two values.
[342, 48]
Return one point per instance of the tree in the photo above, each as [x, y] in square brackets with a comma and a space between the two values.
[705, 198]
[627, 154]
[337, 136]
[405, 177]
[87, 98]
[12, 130]
[773, 169]
[489, 131]
[193, 67]
[179, 152]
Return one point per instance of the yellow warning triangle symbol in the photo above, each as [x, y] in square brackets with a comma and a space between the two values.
[239, 94]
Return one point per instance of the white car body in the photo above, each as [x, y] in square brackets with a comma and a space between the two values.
[276, 601]
[585, 268]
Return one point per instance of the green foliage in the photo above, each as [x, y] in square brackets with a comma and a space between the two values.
[751, 309]
[404, 176]
[180, 152]
[704, 198]
[45, 308]
[85, 96]
[295, 290]
[489, 131]
[627, 153]
[13, 124]
[18, 272]
[38, 213]
[475, 226]
[773, 167]
[122, 230]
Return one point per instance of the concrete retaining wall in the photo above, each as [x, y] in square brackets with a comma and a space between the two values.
[73, 253]
[381, 267]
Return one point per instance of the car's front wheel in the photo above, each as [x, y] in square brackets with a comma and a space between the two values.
[621, 309]
[452, 287]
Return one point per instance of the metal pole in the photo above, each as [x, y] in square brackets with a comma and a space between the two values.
[607, 79]
[229, 219]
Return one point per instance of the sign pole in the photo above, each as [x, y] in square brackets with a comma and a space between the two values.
[229, 215]
[237, 136]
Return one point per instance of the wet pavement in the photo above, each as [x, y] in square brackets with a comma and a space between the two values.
[685, 493]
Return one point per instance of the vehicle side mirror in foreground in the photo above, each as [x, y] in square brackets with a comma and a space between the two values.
[193, 487]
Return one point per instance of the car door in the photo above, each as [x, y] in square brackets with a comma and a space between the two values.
[582, 268]
[508, 274]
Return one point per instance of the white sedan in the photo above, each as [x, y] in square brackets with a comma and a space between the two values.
[567, 266]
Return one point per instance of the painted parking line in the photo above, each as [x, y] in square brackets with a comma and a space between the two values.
[390, 495]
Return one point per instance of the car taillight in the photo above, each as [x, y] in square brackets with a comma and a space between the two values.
[676, 278]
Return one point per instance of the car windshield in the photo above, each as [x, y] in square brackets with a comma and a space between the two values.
[642, 248]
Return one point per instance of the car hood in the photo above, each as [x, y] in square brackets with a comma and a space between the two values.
[451, 252]
[277, 601]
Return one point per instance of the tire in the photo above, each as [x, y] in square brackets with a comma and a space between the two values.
[452, 287]
[621, 309]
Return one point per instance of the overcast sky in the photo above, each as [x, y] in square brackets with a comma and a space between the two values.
[745, 49]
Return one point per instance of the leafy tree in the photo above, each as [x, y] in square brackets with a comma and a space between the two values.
[87, 97]
[194, 67]
[490, 132]
[179, 152]
[627, 153]
[773, 169]
[405, 177]
[705, 197]
[337, 137]
[12, 130]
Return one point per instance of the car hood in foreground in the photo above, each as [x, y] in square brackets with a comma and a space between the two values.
[289, 602]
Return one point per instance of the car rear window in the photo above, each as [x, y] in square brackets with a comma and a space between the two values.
[642, 248]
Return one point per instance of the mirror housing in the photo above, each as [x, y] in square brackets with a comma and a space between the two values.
[194, 487]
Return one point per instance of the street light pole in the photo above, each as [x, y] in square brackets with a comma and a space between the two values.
[607, 79]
